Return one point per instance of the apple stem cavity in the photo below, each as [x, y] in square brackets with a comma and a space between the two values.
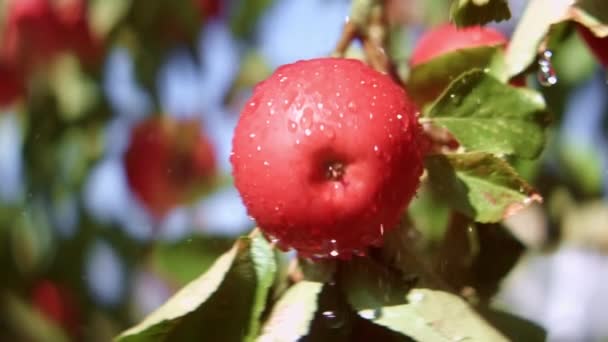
[335, 171]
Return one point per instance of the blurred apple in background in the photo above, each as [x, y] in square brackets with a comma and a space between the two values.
[169, 162]
[57, 305]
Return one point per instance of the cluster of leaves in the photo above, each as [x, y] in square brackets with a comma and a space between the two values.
[434, 278]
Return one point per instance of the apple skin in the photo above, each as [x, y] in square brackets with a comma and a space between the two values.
[169, 162]
[599, 46]
[449, 38]
[309, 118]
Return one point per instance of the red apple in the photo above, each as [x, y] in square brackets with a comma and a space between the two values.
[168, 163]
[598, 45]
[449, 38]
[326, 155]
[37, 30]
[57, 305]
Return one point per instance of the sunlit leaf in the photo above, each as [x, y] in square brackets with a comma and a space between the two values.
[486, 115]
[292, 315]
[428, 80]
[531, 30]
[223, 304]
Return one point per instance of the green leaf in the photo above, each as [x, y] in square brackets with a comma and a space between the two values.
[486, 115]
[223, 304]
[515, 328]
[27, 323]
[369, 286]
[429, 214]
[479, 185]
[76, 93]
[106, 14]
[478, 12]
[428, 80]
[593, 14]
[582, 164]
[474, 258]
[291, 317]
[245, 16]
[534, 25]
[429, 315]
[183, 261]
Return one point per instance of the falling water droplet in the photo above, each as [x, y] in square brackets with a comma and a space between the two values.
[546, 73]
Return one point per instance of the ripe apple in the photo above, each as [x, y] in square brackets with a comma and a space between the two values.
[448, 38]
[57, 305]
[168, 162]
[326, 155]
[598, 45]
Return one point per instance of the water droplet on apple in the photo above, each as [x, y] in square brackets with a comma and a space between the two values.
[252, 135]
[307, 132]
[306, 119]
[375, 85]
[351, 105]
[376, 148]
[320, 105]
[283, 79]
[399, 116]
[381, 229]
[258, 148]
[546, 73]
[371, 116]
[269, 103]
[266, 163]
[292, 126]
